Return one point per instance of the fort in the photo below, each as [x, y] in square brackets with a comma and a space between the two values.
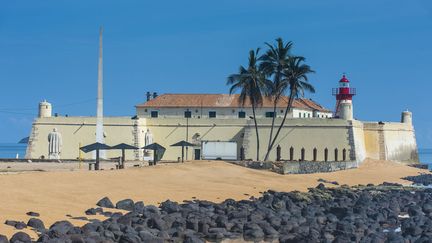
[311, 133]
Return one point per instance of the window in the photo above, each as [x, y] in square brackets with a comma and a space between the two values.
[212, 114]
[242, 114]
[154, 114]
[187, 114]
[269, 114]
[308, 114]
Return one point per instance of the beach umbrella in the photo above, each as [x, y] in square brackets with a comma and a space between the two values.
[123, 147]
[158, 151]
[93, 147]
[183, 144]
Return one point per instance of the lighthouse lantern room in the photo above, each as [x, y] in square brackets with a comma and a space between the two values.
[344, 94]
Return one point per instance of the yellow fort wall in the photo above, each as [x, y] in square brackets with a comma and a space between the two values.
[395, 141]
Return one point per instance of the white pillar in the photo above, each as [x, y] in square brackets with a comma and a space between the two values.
[99, 112]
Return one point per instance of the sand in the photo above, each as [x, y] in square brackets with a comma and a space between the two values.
[56, 193]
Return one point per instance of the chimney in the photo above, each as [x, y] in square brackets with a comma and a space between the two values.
[149, 97]
[155, 95]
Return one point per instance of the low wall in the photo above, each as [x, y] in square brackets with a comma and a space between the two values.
[309, 167]
[298, 167]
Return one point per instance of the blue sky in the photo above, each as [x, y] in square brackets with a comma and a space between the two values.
[48, 50]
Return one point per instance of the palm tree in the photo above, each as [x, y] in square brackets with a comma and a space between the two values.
[251, 82]
[296, 78]
[273, 64]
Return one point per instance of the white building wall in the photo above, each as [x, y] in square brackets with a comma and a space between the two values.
[227, 113]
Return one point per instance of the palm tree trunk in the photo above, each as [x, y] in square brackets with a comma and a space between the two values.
[256, 130]
[289, 105]
[271, 130]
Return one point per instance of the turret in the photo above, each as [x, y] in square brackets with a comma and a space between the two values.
[45, 109]
[344, 94]
[406, 117]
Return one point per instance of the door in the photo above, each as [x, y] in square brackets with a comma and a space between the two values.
[197, 153]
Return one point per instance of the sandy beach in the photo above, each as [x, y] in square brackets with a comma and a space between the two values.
[56, 192]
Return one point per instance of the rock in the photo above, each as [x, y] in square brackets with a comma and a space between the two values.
[130, 238]
[77, 239]
[61, 227]
[170, 207]
[33, 214]
[139, 207]
[11, 223]
[252, 232]
[3, 239]
[156, 223]
[36, 224]
[107, 214]
[193, 239]
[126, 204]
[20, 237]
[105, 203]
[321, 186]
[90, 211]
[427, 208]
[391, 184]
[20, 225]
[339, 212]
[423, 179]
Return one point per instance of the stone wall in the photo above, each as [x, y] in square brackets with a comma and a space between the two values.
[308, 167]
[298, 167]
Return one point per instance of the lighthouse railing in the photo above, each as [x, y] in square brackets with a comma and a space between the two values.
[351, 91]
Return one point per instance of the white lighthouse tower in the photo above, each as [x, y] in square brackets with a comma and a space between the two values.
[344, 94]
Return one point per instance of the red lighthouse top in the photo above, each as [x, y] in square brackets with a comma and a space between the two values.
[344, 79]
[344, 92]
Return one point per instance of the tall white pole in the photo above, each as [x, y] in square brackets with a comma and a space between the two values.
[99, 114]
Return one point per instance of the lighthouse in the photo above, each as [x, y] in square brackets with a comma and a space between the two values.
[344, 94]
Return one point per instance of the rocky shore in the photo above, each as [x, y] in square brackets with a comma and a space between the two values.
[422, 179]
[385, 213]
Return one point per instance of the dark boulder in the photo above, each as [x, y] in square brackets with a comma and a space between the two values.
[252, 232]
[139, 207]
[3, 239]
[427, 208]
[339, 212]
[130, 238]
[20, 237]
[33, 214]
[90, 211]
[61, 228]
[105, 203]
[170, 207]
[36, 224]
[77, 239]
[20, 225]
[11, 222]
[321, 186]
[126, 204]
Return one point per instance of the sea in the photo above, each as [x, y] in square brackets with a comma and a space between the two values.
[12, 150]
[18, 150]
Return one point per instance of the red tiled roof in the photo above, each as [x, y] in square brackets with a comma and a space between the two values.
[221, 101]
